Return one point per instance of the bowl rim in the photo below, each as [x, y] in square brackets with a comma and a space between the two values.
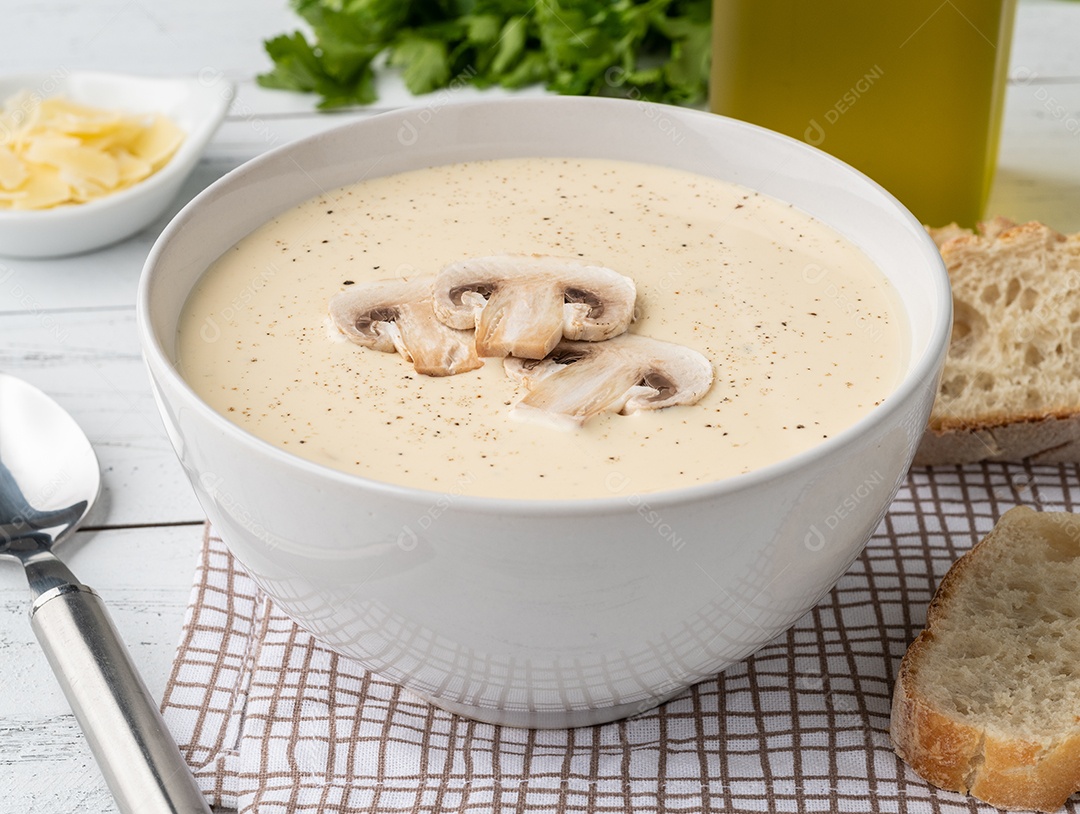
[920, 373]
[214, 99]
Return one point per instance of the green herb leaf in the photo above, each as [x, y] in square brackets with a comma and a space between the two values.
[656, 49]
[424, 61]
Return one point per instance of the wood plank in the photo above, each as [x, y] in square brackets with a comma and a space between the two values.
[1038, 175]
[205, 37]
[103, 279]
[48, 767]
[89, 362]
[145, 576]
[152, 38]
[1045, 40]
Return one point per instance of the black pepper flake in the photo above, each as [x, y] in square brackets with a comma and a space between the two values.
[349, 282]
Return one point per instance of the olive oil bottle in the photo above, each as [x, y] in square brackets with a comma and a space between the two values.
[908, 91]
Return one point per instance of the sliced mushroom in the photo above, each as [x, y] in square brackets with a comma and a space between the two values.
[626, 374]
[389, 315]
[522, 305]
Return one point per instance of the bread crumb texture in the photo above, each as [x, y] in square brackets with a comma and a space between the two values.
[987, 700]
[1011, 385]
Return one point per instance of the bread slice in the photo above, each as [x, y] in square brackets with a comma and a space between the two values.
[1011, 385]
[987, 700]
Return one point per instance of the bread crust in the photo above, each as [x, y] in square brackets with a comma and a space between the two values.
[1050, 435]
[1042, 439]
[952, 754]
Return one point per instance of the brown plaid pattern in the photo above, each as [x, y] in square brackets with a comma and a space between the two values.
[274, 723]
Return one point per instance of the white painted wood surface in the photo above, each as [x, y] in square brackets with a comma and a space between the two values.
[67, 325]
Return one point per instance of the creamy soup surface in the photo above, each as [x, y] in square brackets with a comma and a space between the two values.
[804, 333]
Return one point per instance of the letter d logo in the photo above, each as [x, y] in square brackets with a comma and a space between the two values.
[210, 332]
[406, 539]
[814, 540]
[814, 134]
[407, 134]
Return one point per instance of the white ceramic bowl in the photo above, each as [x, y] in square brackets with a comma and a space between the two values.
[547, 613]
[197, 105]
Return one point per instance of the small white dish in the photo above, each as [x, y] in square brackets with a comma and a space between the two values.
[195, 105]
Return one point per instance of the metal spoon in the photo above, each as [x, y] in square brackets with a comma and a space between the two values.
[49, 478]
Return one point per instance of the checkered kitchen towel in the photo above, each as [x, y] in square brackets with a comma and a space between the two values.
[273, 723]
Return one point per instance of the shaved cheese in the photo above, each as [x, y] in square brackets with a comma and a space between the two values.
[55, 151]
[157, 142]
[42, 190]
[118, 137]
[12, 171]
[131, 169]
[74, 161]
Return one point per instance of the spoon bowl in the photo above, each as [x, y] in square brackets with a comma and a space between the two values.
[49, 479]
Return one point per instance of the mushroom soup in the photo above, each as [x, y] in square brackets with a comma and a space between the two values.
[765, 330]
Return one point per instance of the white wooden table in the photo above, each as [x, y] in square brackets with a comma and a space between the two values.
[68, 326]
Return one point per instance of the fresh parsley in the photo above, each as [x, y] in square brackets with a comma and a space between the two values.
[656, 49]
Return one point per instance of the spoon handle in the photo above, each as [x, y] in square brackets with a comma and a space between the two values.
[137, 755]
